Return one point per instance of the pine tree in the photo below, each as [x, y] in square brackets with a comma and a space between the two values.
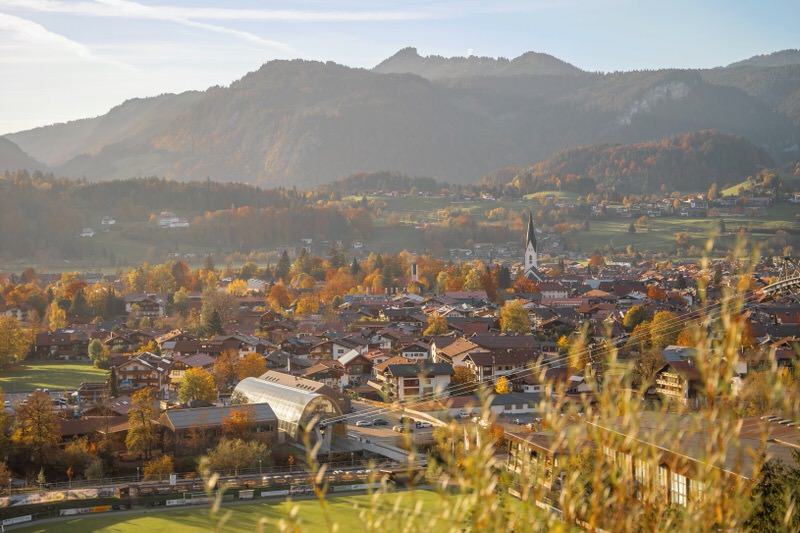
[355, 268]
[503, 278]
[79, 306]
[112, 383]
[213, 324]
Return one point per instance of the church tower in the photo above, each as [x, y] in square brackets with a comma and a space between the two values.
[531, 253]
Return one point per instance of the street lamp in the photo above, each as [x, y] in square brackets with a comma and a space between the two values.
[137, 474]
[259, 467]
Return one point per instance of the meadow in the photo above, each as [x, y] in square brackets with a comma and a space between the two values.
[346, 511]
[30, 376]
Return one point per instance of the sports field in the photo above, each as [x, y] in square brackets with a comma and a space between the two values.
[49, 375]
[344, 511]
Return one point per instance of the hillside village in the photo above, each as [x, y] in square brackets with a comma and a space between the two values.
[269, 363]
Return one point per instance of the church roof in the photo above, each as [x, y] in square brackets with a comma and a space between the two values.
[533, 274]
[531, 236]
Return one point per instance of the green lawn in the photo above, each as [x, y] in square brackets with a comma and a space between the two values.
[49, 375]
[660, 236]
[343, 510]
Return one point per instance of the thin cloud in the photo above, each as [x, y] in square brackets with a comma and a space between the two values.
[22, 35]
[124, 8]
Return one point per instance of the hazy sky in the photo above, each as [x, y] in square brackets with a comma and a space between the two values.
[67, 59]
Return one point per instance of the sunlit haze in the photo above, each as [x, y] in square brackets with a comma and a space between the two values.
[65, 60]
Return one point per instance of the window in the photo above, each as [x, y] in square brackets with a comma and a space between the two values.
[677, 494]
[661, 482]
[610, 455]
[642, 476]
[698, 490]
[625, 466]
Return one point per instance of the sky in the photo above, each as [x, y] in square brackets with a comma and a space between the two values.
[63, 60]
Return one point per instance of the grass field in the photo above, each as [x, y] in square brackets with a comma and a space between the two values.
[49, 375]
[244, 518]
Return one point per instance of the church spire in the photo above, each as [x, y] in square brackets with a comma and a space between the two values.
[530, 239]
[531, 253]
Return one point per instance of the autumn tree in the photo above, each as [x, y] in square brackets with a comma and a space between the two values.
[488, 283]
[647, 365]
[307, 305]
[14, 343]
[181, 302]
[56, 316]
[37, 430]
[251, 365]
[278, 298]
[161, 279]
[634, 316]
[237, 287]
[224, 369]
[462, 381]
[142, 431]
[232, 455]
[514, 318]
[222, 302]
[98, 353]
[77, 455]
[524, 285]
[472, 281]
[239, 423]
[437, 325]
[664, 329]
[158, 469]
[502, 385]
[197, 385]
[639, 339]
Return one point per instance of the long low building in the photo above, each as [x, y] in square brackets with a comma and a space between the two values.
[187, 426]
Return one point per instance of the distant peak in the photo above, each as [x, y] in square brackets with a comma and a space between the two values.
[408, 60]
[409, 51]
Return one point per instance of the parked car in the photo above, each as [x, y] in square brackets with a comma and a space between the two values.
[424, 424]
[364, 423]
[402, 429]
[380, 422]
[462, 414]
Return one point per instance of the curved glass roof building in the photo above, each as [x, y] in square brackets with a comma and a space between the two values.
[294, 408]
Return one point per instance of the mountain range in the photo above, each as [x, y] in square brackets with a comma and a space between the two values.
[456, 119]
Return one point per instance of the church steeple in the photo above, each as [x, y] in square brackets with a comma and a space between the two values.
[531, 252]
[530, 239]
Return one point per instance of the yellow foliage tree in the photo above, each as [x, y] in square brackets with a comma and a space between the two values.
[252, 365]
[502, 385]
[307, 305]
[514, 318]
[56, 317]
[158, 469]
[437, 325]
[197, 384]
[238, 287]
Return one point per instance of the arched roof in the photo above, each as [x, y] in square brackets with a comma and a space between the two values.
[294, 408]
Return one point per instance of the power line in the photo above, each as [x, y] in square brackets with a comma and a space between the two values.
[673, 325]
